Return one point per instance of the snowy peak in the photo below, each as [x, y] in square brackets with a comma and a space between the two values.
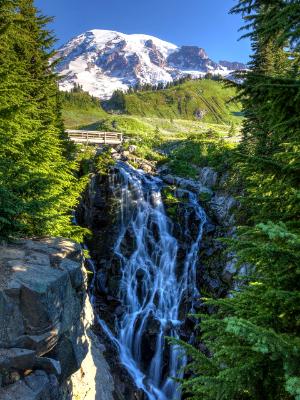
[103, 61]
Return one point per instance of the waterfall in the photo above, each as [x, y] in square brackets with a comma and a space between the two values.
[152, 287]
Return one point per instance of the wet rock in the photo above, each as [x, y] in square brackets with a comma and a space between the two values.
[222, 208]
[187, 184]
[140, 273]
[113, 285]
[208, 177]
[148, 168]
[209, 228]
[209, 268]
[227, 277]
[163, 169]
[149, 341]
[119, 311]
[182, 194]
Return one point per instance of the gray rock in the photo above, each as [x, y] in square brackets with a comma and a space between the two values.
[42, 344]
[74, 270]
[227, 277]
[36, 386]
[230, 266]
[222, 208]
[41, 307]
[208, 177]
[132, 148]
[116, 156]
[17, 391]
[17, 358]
[48, 364]
[38, 382]
[187, 184]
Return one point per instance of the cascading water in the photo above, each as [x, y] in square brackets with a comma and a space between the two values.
[151, 287]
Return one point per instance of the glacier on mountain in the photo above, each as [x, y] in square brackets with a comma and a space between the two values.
[102, 61]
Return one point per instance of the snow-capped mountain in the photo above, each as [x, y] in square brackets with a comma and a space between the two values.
[103, 61]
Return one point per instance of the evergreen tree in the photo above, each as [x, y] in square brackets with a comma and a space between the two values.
[253, 344]
[38, 186]
[117, 100]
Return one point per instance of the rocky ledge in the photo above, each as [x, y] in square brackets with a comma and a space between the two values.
[48, 350]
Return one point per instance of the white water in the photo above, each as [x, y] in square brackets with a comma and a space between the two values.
[151, 286]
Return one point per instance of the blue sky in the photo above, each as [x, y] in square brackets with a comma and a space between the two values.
[204, 23]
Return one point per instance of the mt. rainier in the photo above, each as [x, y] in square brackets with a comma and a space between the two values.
[103, 61]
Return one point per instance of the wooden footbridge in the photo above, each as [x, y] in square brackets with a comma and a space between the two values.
[95, 137]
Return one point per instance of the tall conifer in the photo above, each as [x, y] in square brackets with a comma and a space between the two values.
[253, 338]
[38, 187]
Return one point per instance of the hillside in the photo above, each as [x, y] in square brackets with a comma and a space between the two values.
[79, 108]
[205, 99]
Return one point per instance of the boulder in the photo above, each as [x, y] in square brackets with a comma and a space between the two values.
[132, 148]
[37, 302]
[187, 184]
[37, 386]
[17, 358]
[208, 177]
[44, 323]
[222, 207]
[146, 167]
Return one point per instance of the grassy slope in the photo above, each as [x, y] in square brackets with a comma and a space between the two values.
[184, 100]
[80, 109]
[193, 142]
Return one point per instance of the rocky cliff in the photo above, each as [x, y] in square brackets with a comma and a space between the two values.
[48, 350]
[216, 267]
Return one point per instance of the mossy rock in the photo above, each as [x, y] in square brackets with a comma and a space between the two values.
[205, 196]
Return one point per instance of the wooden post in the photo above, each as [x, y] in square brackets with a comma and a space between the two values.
[104, 137]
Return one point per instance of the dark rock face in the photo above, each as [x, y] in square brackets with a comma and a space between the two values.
[156, 57]
[216, 268]
[45, 325]
[41, 299]
[98, 211]
[79, 47]
[234, 65]
[36, 386]
[124, 388]
[191, 58]
[117, 63]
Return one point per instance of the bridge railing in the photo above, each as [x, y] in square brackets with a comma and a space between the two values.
[95, 137]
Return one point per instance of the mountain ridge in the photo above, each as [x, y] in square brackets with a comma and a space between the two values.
[102, 61]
